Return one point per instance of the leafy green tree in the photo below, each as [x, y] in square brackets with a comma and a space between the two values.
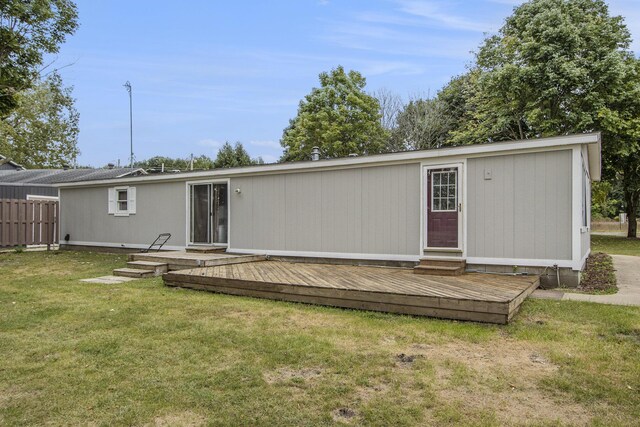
[42, 131]
[603, 205]
[339, 117]
[552, 68]
[620, 121]
[559, 67]
[201, 162]
[29, 29]
[233, 156]
[423, 124]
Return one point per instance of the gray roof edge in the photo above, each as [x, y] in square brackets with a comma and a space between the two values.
[484, 150]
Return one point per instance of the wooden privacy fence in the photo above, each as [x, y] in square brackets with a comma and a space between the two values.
[28, 222]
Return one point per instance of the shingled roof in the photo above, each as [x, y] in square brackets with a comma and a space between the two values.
[9, 165]
[54, 176]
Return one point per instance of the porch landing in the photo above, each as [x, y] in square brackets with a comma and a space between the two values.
[178, 260]
[477, 297]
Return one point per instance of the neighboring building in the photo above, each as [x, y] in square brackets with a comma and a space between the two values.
[9, 165]
[518, 205]
[39, 183]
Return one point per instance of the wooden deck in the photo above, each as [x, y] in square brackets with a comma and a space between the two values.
[179, 260]
[477, 297]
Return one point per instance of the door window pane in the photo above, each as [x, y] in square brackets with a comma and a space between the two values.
[444, 191]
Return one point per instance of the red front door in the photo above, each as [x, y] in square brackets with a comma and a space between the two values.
[442, 208]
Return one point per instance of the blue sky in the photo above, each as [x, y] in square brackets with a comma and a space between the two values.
[204, 72]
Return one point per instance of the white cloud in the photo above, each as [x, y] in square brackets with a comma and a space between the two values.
[436, 13]
[377, 38]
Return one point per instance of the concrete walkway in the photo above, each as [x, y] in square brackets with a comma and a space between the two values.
[108, 280]
[628, 274]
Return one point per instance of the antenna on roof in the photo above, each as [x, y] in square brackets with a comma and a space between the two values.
[127, 85]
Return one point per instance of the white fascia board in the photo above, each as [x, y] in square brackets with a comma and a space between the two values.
[594, 151]
[495, 148]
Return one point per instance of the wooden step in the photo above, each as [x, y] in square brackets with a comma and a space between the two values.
[441, 266]
[133, 272]
[439, 270]
[443, 262]
[183, 261]
[205, 249]
[157, 267]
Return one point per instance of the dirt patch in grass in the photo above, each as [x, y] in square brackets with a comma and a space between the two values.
[505, 379]
[287, 374]
[599, 275]
[372, 391]
[186, 419]
[406, 360]
[343, 415]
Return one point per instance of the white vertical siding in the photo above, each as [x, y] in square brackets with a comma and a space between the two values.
[524, 211]
[372, 210]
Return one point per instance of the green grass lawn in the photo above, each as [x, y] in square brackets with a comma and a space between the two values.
[140, 353]
[615, 245]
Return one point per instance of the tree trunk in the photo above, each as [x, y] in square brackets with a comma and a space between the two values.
[633, 200]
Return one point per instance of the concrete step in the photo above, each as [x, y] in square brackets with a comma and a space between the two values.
[157, 267]
[439, 270]
[133, 272]
[205, 249]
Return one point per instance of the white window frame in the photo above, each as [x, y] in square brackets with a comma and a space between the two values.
[114, 209]
[455, 205]
[122, 212]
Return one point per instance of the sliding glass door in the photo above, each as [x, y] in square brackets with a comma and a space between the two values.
[208, 213]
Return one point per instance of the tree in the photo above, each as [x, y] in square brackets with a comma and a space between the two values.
[42, 132]
[201, 162]
[549, 71]
[423, 124]
[603, 205]
[620, 121]
[338, 117]
[390, 106]
[559, 67]
[28, 30]
[234, 156]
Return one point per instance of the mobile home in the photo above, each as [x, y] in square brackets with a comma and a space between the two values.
[517, 206]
